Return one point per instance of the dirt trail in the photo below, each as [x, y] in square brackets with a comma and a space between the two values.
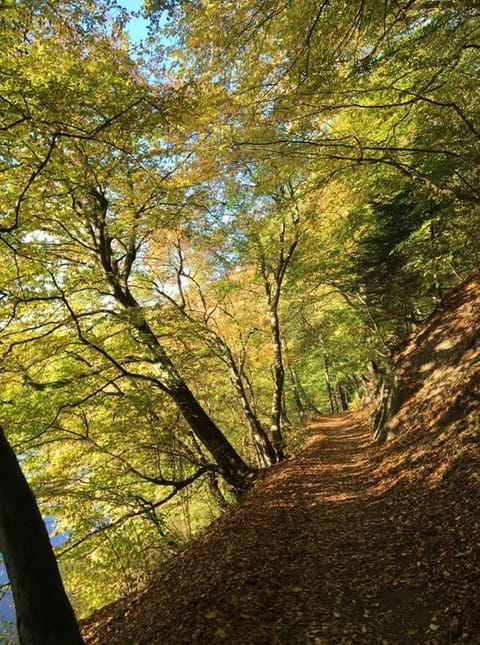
[326, 550]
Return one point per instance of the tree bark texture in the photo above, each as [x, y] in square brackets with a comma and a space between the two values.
[232, 466]
[44, 613]
[278, 384]
[263, 447]
[328, 385]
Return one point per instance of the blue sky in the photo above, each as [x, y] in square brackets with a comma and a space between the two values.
[138, 26]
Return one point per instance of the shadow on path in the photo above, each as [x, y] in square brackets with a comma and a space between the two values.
[321, 552]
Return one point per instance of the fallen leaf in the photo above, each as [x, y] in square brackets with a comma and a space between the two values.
[211, 614]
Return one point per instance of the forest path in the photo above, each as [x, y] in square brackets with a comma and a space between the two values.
[327, 550]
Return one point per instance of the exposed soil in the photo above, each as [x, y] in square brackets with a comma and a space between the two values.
[347, 542]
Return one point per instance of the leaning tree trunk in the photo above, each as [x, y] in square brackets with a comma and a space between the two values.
[44, 613]
[117, 269]
[266, 455]
[233, 468]
[212, 476]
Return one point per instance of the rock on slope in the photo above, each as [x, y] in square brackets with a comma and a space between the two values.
[437, 383]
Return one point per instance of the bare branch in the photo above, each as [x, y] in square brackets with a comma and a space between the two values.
[26, 188]
[177, 487]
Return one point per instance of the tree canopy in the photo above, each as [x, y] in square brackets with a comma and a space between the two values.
[207, 237]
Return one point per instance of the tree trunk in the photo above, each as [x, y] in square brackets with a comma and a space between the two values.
[215, 491]
[303, 401]
[232, 466]
[265, 452]
[278, 383]
[44, 613]
[342, 395]
[436, 272]
[328, 385]
[296, 393]
[273, 276]
[212, 478]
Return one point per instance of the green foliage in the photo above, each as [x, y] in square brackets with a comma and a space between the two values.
[379, 266]
[316, 163]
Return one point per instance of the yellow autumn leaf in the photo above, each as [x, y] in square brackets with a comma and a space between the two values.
[211, 614]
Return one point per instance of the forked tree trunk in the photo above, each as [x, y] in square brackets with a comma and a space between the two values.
[273, 277]
[117, 272]
[266, 455]
[44, 613]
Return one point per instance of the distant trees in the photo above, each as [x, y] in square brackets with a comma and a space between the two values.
[354, 96]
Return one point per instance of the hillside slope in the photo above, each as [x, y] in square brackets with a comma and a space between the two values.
[348, 542]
